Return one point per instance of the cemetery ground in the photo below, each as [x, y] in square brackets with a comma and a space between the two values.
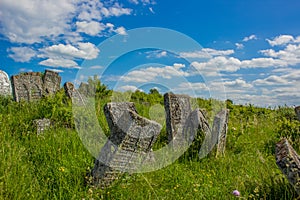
[55, 164]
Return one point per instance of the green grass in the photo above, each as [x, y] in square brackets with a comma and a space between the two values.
[54, 165]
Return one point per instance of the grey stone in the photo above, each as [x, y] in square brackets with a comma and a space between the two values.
[27, 86]
[297, 110]
[5, 85]
[177, 109]
[51, 82]
[129, 144]
[33, 85]
[78, 99]
[195, 122]
[288, 162]
[219, 130]
[42, 125]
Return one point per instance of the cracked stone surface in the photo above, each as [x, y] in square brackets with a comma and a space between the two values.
[288, 162]
[131, 140]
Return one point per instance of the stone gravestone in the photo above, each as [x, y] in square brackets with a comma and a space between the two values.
[177, 109]
[219, 130]
[27, 86]
[129, 144]
[78, 99]
[42, 125]
[288, 162]
[297, 110]
[195, 122]
[51, 82]
[5, 86]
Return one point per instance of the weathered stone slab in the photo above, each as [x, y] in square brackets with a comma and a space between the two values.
[288, 162]
[78, 99]
[177, 109]
[195, 122]
[27, 86]
[51, 82]
[42, 125]
[33, 85]
[5, 85]
[297, 110]
[131, 139]
[219, 130]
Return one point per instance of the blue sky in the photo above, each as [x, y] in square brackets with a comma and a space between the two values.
[250, 50]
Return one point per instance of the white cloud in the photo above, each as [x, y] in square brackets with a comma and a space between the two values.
[271, 80]
[121, 30]
[56, 70]
[34, 21]
[156, 54]
[21, 54]
[238, 83]
[116, 10]
[59, 62]
[128, 88]
[83, 50]
[281, 40]
[91, 28]
[239, 45]
[206, 53]
[29, 21]
[96, 67]
[216, 64]
[151, 73]
[251, 37]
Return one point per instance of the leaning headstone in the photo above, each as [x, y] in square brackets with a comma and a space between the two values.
[27, 86]
[288, 162]
[5, 85]
[129, 144]
[219, 130]
[195, 122]
[297, 110]
[42, 125]
[177, 109]
[51, 82]
[78, 99]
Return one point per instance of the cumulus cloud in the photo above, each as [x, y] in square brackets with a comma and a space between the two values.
[121, 30]
[34, 21]
[83, 51]
[206, 53]
[281, 40]
[128, 88]
[59, 62]
[91, 28]
[271, 80]
[21, 54]
[238, 83]
[151, 73]
[251, 37]
[239, 45]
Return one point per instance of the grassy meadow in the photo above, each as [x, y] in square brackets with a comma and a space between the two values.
[54, 165]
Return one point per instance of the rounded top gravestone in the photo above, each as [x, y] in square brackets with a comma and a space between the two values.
[5, 85]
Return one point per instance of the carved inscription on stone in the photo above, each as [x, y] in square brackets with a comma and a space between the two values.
[27, 86]
[177, 109]
[51, 82]
[131, 139]
[33, 85]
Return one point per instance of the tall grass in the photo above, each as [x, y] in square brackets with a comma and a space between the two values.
[54, 165]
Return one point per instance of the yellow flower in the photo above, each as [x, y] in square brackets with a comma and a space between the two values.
[62, 169]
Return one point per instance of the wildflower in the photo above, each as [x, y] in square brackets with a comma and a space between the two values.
[236, 193]
[62, 169]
